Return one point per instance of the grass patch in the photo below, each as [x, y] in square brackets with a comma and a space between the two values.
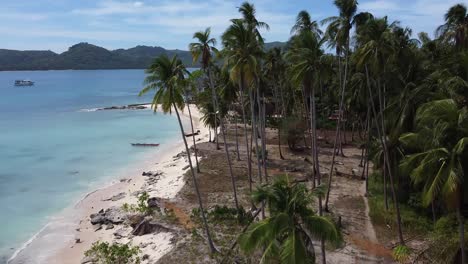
[413, 220]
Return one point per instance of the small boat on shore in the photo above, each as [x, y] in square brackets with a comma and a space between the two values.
[24, 83]
[144, 145]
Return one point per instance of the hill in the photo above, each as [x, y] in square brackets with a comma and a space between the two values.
[84, 56]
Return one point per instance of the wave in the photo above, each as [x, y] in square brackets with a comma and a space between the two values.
[89, 110]
[27, 243]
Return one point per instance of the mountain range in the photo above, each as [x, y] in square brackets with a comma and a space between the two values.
[85, 56]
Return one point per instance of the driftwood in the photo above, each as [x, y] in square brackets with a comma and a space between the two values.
[147, 227]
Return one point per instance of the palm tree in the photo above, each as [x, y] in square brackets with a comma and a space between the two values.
[376, 49]
[304, 23]
[441, 144]
[304, 56]
[248, 12]
[286, 236]
[455, 29]
[204, 48]
[165, 75]
[191, 88]
[274, 71]
[241, 51]
[338, 35]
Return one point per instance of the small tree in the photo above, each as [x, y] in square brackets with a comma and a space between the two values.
[104, 253]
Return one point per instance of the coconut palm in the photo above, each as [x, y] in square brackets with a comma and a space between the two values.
[304, 23]
[287, 235]
[455, 29]
[275, 67]
[241, 50]
[338, 36]
[165, 76]
[190, 88]
[441, 144]
[204, 49]
[304, 56]
[248, 17]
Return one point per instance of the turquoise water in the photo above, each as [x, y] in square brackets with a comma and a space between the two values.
[52, 150]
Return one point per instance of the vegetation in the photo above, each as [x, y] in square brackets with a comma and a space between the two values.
[141, 206]
[407, 99]
[105, 253]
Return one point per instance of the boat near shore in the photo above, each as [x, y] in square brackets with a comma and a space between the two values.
[24, 83]
[145, 145]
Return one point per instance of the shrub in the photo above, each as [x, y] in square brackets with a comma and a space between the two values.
[104, 253]
[141, 206]
[401, 253]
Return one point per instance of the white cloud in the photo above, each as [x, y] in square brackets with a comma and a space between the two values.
[420, 15]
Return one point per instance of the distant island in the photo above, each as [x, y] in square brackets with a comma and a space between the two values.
[85, 56]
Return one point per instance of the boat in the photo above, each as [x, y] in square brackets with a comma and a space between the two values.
[144, 145]
[24, 83]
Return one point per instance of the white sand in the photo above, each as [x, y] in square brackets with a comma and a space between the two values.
[169, 184]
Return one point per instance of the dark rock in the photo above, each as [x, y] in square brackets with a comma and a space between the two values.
[134, 219]
[145, 257]
[147, 226]
[153, 203]
[97, 228]
[186, 167]
[77, 240]
[112, 215]
[116, 197]
[109, 226]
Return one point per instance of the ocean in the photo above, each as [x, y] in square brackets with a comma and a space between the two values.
[54, 146]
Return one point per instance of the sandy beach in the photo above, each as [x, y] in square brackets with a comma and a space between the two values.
[80, 234]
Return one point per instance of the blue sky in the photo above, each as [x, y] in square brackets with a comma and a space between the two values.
[57, 24]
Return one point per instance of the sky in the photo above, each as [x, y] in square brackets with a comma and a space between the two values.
[57, 24]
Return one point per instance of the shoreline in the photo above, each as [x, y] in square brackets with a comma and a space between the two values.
[56, 241]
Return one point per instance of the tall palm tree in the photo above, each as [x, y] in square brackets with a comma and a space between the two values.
[241, 51]
[286, 236]
[304, 56]
[204, 49]
[338, 36]
[441, 144]
[190, 88]
[164, 75]
[274, 70]
[304, 23]
[455, 28]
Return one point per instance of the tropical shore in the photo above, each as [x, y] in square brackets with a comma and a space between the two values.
[72, 238]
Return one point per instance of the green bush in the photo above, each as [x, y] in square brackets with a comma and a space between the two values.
[141, 206]
[104, 253]
[401, 253]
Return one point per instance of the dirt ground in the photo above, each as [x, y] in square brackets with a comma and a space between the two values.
[347, 198]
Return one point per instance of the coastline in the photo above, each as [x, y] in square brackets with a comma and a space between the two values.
[56, 241]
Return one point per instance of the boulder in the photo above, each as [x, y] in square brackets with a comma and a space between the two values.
[153, 203]
[112, 215]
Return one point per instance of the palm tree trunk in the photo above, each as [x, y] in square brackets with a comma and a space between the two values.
[313, 118]
[249, 161]
[337, 137]
[195, 184]
[367, 149]
[193, 136]
[213, 99]
[255, 135]
[265, 158]
[381, 134]
[233, 179]
[209, 132]
[237, 139]
[461, 230]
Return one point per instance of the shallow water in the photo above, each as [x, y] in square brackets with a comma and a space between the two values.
[54, 148]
